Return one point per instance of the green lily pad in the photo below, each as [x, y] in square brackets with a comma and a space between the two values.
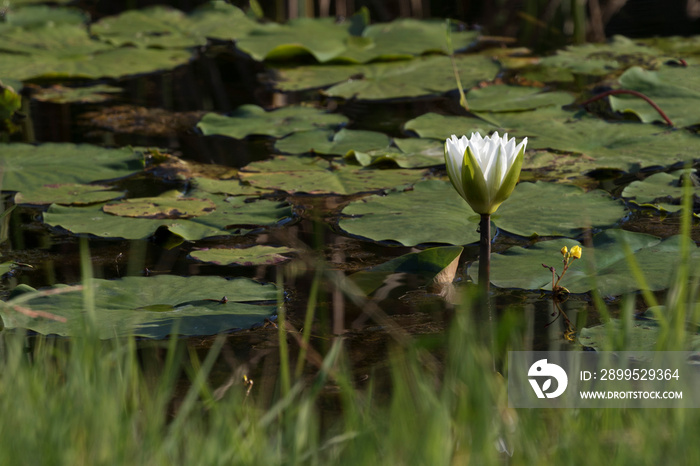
[155, 26]
[68, 194]
[232, 216]
[657, 259]
[249, 120]
[504, 98]
[621, 146]
[90, 94]
[233, 187]
[405, 39]
[151, 307]
[323, 38]
[33, 16]
[161, 207]
[550, 209]
[317, 176]
[409, 153]
[660, 190]
[220, 20]
[254, 255]
[68, 51]
[544, 165]
[330, 143]
[426, 264]
[432, 212]
[441, 127]
[676, 90]
[27, 167]
[379, 81]
[601, 59]
[638, 335]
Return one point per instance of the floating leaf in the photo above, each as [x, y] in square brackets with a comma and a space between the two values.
[409, 153]
[233, 216]
[323, 38]
[379, 81]
[317, 176]
[547, 209]
[504, 98]
[68, 51]
[254, 255]
[661, 190]
[89, 94]
[330, 143]
[161, 207]
[34, 16]
[67, 194]
[233, 187]
[426, 264]
[432, 212]
[602, 59]
[248, 120]
[155, 26]
[675, 89]
[657, 259]
[622, 146]
[27, 167]
[150, 307]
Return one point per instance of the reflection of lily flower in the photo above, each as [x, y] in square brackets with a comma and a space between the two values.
[484, 171]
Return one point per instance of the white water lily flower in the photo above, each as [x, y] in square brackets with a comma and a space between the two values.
[484, 171]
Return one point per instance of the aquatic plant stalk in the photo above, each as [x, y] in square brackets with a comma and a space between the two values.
[485, 252]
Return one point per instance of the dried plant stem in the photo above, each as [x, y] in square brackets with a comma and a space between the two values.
[634, 93]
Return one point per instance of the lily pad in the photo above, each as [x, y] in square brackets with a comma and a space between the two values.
[639, 335]
[380, 81]
[330, 143]
[621, 146]
[161, 207]
[504, 98]
[408, 153]
[254, 255]
[151, 307]
[32, 16]
[317, 176]
[155, 26]
[232, 216]
[601, 59]
[27, 167]
[432, 212]
[657, 259]
[68, 194]
[233, 187]
[676, 90]
[549, 209]
[68, 51]
[660, 190]
[426, 264]
[90, 94]
[249, 120]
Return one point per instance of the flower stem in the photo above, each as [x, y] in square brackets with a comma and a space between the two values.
[485, 252]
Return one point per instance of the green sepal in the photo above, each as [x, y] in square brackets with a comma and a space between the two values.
[474, 184]
[509, 181]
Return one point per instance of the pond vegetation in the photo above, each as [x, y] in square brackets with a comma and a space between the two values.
[227, 240]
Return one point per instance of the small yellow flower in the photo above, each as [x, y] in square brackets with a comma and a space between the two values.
[564, 250]
[576, 252]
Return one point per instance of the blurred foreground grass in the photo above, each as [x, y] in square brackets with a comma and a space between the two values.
[93, 402]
